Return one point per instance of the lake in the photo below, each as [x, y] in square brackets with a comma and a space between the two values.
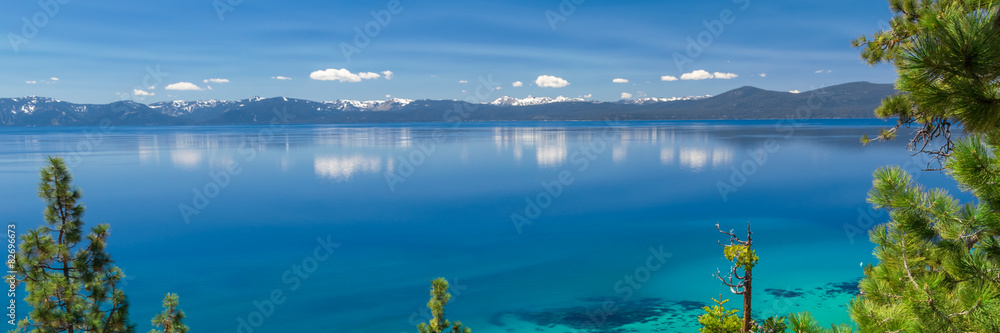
[539, 226]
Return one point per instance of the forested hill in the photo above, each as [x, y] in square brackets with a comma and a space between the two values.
[850, 100]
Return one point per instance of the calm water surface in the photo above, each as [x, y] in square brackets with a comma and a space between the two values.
[538, 226]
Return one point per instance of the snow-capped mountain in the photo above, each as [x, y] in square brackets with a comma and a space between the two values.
[530, 100]
[650, 100]
[179, 108]
[851, 100]
[352, 105]
[27, 105]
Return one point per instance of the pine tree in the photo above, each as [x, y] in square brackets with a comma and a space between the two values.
[71, 282]
[172, 318]
[938, 259]
[439, 299]
[744, 258]
[719, 320]
[940, 81]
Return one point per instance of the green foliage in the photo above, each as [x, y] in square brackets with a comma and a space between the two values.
[439, 299]
[772, 325]
[719, 320]
[947, 58]
[803, 322]
[741, 255]
[938, 259]
[71, 282]
[172, 318]
[910, 18]
[842, 328]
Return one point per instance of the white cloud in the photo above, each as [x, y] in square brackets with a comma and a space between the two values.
[368, 75]
[724, 76]
[140, 92]
[626, 95]
[279, 77]
[549, 81]
[668, 78]
[343, 75]
[517, 83]
[763, 74]
[587, 95]
[388, 75]
[152, 88]
[31, 82]
[794, 91]
[697, 75]
[824, 71]
[463, 81]
[620, 80]
[215, 81]
[705, 75]
[182, 86]
[388, 96]
[54, 78]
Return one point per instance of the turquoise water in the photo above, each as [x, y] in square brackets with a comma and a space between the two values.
[326, 228]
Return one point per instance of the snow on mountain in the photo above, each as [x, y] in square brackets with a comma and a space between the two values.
[26, 105]
[650, 100]
[178, 108]
[353, 105]
[530, 100]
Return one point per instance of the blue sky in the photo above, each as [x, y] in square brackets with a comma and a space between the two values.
[100, 51]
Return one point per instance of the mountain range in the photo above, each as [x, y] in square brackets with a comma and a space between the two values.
[850, 100]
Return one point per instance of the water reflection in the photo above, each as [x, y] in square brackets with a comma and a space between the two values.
[342, 168]
[694, 158]
[364, 137]
[693, 147]
[186, 158]
[667, 155]
[549, 144]
[149, 150]
[721, 156]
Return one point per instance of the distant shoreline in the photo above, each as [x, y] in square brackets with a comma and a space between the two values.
[856, 100]
[491, 123]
